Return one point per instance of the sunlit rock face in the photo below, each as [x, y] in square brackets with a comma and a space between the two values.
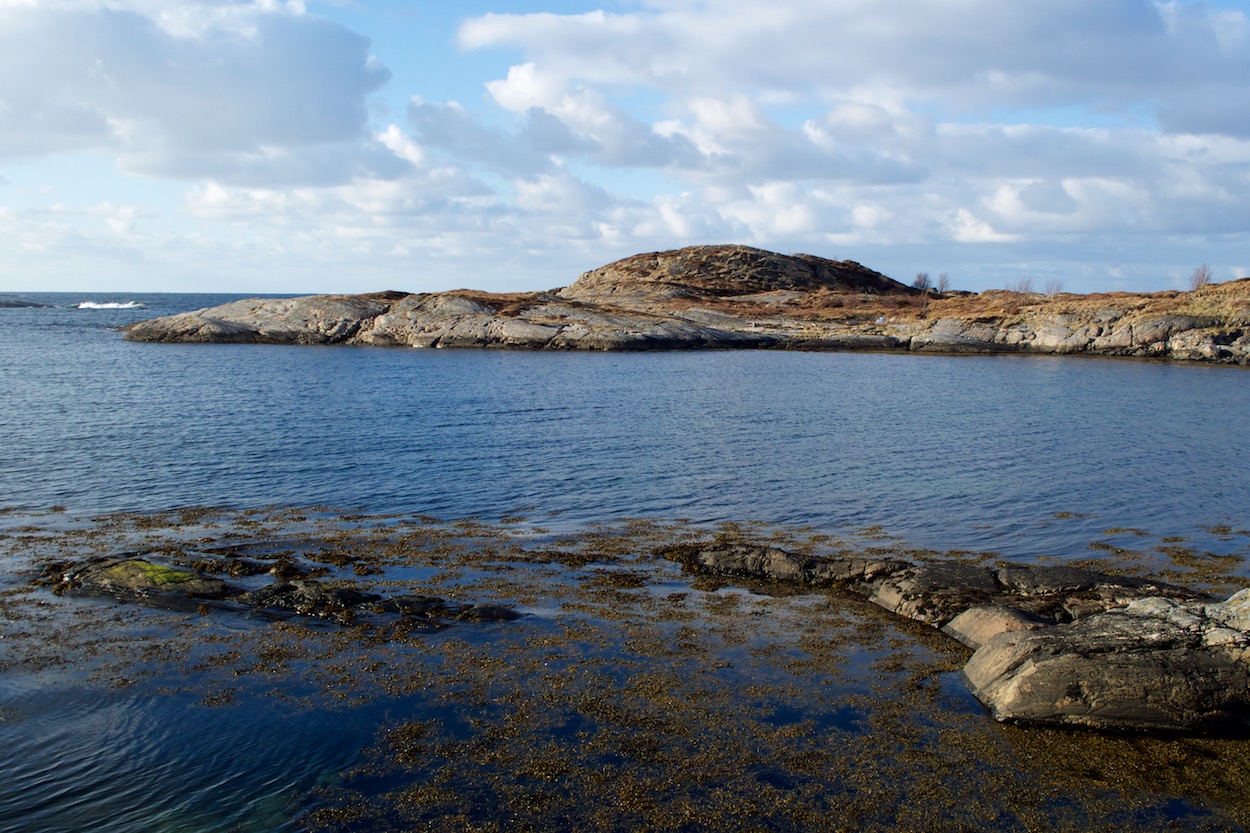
[741, 297]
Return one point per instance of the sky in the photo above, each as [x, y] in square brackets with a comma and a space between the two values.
[308, 146]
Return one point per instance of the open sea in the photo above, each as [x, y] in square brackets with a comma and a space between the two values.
[1024, 457]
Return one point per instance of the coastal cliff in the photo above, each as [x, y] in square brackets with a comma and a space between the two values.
[741, 297]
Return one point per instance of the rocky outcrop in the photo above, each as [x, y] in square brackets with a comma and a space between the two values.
[1051, 644]
[1099, 333]
[320, 319]
[9, 304]
[727, 271]
[739, 297]
[1154, 663]
[131, 578]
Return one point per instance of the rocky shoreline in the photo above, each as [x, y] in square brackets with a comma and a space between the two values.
[1052, 645]
[638, 690]
[737, 297]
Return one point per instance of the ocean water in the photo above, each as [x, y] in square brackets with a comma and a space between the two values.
[944, 452]
[1024, 457]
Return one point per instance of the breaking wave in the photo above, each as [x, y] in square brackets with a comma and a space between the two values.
[110, 305]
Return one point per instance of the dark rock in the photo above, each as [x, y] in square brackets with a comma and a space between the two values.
[750, 560]
[937, 593]
[420, 606]
[487, 613]
[306, 597]
[131, 576]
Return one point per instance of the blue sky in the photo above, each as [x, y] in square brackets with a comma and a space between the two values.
[358, 145]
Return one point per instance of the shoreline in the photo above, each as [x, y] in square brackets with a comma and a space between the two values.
[734, 297]
[686, 686]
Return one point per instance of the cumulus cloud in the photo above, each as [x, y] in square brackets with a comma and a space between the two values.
[255, 92]
[969, 57]
[920, 122]
[983, 131]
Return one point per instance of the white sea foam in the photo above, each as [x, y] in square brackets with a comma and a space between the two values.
[109, 305]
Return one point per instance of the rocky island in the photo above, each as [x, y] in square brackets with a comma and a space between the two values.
[739, 297]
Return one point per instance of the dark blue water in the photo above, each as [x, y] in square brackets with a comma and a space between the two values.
[944, 452]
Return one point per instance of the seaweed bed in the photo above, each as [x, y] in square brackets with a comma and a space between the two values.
[630, 696]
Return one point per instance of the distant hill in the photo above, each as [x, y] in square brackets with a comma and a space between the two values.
[728, 270]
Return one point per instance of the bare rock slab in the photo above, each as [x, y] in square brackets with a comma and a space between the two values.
[1154, 664]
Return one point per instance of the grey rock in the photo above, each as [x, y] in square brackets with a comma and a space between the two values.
[955, 335]
[320, 319]
[1159, 330]
[1052, 645]
[1143, 667]
[978, 625]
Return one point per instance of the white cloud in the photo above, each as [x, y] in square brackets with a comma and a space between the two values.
[970, 56]
[251, 92]
[1004, 136]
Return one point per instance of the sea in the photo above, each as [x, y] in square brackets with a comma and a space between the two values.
[1025, 458]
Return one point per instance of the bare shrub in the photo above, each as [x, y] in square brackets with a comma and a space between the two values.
[1201, 277]
[943, 283]
[922, 281]
[1024, 286]
[1054, 287]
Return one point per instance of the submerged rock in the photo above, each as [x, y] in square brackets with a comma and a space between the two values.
[308, 597]
[1052, 645]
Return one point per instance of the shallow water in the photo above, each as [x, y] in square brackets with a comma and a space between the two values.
[630, 696]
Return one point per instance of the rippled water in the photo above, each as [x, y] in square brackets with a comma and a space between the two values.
[77, 759]
[1025, 456]
[946, 452]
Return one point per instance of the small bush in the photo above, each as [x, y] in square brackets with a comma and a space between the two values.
[1200, 277]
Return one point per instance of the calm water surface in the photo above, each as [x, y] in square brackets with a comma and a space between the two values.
[945, 452]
